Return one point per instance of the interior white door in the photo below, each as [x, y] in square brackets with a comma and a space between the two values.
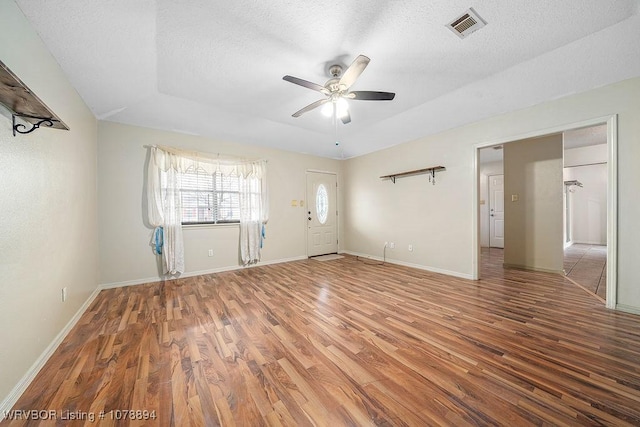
[496, 211]
[322, 209]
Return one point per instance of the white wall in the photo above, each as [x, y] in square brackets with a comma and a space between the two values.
[48, 215]
[585, 155]
[439, 219]
[125, 254]
[588, 204]
[533, 222]
[434, 219]
[486, 169]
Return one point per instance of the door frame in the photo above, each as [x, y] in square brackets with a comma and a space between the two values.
[612, 195]
[306, 233]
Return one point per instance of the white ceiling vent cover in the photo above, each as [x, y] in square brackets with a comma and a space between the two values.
[466, 24]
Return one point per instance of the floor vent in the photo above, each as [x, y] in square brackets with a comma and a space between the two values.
[466, 24]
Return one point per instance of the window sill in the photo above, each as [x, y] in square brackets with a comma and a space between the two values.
[224, 224]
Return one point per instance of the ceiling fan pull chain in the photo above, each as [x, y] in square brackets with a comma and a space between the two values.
[335, 124]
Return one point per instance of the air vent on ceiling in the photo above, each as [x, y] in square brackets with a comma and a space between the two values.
[466, 24]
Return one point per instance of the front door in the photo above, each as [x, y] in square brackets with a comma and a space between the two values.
[496, 211]
[322, 209]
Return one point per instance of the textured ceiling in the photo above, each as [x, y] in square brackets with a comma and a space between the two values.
[215, 68]
[584, 137]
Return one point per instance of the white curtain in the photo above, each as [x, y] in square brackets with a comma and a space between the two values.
[163, 194]
[164, 208]
[254, 212]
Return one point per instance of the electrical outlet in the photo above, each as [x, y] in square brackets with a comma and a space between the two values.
[210, 252]
[392, 245]
[64, 294]
[410, 248]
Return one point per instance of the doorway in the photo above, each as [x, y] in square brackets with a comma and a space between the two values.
[322, 210]
[585, 187]
[610, 124]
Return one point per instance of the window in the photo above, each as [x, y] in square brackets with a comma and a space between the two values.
[185, 187]
[322, 204]
[211, 198]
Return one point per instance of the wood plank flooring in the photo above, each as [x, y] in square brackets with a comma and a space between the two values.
[345, 343]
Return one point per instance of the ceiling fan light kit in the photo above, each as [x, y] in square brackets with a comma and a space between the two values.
[336, 90]
[338, 106]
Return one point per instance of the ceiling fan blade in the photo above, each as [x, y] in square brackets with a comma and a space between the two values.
[307, 84]
[368, 95]
[352, 73]
[346, 117]
[310, 107]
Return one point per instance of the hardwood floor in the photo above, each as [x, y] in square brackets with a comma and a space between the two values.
[345, 343]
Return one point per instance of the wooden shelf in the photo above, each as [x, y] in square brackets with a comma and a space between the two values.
[432, 171]
[23, 103]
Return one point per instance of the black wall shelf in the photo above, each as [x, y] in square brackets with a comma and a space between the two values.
[24, 104]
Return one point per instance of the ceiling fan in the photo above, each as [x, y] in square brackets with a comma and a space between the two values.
[337, 89]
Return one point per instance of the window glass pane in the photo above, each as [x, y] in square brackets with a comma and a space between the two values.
[214, 198]
[322, 204]
[228, 206]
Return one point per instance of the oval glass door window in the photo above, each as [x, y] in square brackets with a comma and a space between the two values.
[322, 204]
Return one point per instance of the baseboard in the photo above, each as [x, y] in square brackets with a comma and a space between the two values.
[628, 309]
[525, 267]
[578, 242]
[411, 265]
[31, 373]
[134, 282]
[195, 273]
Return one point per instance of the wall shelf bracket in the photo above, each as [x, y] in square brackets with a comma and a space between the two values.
[20, 128]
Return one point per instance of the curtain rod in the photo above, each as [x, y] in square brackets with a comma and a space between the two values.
[226, 157]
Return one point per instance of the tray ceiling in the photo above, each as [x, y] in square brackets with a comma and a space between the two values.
[215, 68]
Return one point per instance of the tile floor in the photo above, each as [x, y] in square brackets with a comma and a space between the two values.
[587, 265]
